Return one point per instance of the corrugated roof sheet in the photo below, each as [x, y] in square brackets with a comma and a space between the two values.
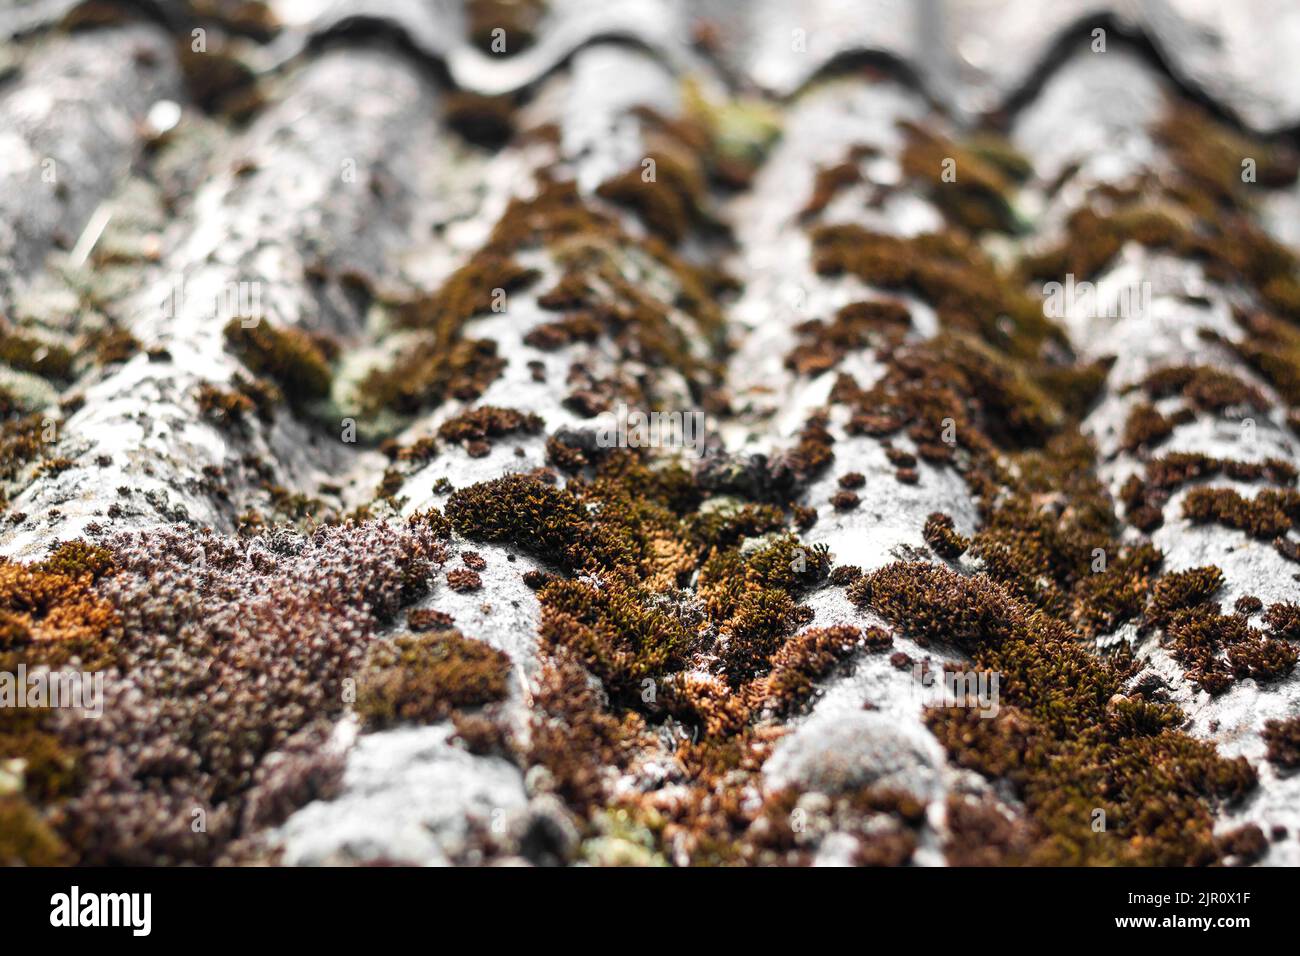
[283, 285]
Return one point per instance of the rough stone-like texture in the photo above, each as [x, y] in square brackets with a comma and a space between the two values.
[71, 124]
[347, 195]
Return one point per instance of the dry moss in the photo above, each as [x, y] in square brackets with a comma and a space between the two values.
[26, 354]
[941, 534]
[1270, 514]
[289, 356]
[1145, 428]
[1058, 737]
[979, 198]
[802, 662]
[967, 290]
[855, 326]
[486, 422]
[25, 839]
[425, 678]
[1283, 739]
[1207, 388]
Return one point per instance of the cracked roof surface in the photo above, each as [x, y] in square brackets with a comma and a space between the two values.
[323, 320]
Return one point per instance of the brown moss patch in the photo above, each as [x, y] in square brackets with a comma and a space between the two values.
[1057, 738]
[424, 678]
[1270, 514]
[964, 286]
[292, 358]
[941, 534]
[1283, 739]
[855, 326]
[487, 422]
[26, 354]
[1145, 428]
[979, 197]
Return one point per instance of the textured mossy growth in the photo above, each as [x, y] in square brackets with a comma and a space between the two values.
[1145, 497]
[294, 360]
[549, 522]
[942, 536]
[1269, 515]
[980, 196]
[752, 595]
[469, 291]
[1047, 517]
[1145, 428]
[710, 143]
[980, 833]
[855, 326]
[430, 373]
[49, 616]
[1094, 239]
[24, 439]
[25, 839]
[595, 253]
[624, 644]
[237, 407]
[438, 523]
[1210, 155]
[951, 394]
[1271, 348]
[503, 27]
[113, 345]
[725, 525]
[670, 203]
[575, 737]
[1180, 591]
[475, 427]
[26, 354]
[615, 632]
[1108, 598]
[949, 271]
[77, 560]
[1202, 211]
[827, 184]
[1283, 739]
[1050, 536]
[1205, 387]
[1215, 649]
[240, 734]
[1283, 620]
[424, 678]
[1066, 738]
[803, 661]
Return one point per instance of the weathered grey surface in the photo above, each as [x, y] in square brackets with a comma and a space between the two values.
[71, 124]
[317, 185]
